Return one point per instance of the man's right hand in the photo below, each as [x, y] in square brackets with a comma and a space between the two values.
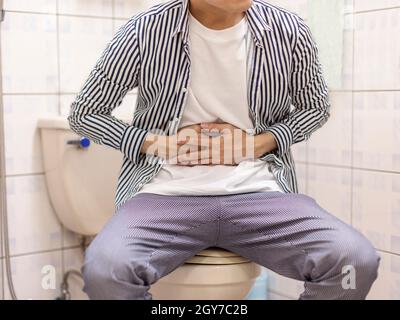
[169, 147]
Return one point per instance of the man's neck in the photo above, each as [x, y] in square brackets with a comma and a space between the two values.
[212, 17]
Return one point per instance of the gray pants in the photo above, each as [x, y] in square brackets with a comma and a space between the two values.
[151, 235]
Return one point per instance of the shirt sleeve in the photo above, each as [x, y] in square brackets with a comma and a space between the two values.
[114, 75]
[309, 95]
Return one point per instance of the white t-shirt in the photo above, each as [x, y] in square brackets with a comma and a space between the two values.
[217, 93]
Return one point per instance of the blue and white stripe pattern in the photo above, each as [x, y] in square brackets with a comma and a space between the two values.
[287, 93]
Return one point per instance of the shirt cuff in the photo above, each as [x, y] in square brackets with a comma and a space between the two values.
[283, 136]
[132, 142]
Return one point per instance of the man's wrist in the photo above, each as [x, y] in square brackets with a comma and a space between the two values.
[264, 143]
[148, 142]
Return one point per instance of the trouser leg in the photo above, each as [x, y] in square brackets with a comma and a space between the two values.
[293, 236]
[149, 237]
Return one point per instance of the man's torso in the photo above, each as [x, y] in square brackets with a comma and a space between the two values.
[217, 92]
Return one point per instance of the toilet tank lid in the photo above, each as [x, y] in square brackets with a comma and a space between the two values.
[60, 123]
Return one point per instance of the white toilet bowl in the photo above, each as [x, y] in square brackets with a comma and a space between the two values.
[82, 184]
[212, 274]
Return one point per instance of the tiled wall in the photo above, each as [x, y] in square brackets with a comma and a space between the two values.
[48, 49]
[352, 165]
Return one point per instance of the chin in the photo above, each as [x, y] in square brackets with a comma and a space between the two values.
[231, 6]
[236, 6]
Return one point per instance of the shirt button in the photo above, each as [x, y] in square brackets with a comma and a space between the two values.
[184, 90]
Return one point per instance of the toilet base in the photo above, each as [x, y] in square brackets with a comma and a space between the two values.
[207, 282]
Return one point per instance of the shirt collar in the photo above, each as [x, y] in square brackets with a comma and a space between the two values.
[257, 22]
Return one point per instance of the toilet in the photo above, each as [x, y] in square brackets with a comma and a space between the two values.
[82, 179]
[212, 274]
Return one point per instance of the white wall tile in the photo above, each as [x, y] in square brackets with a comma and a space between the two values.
[30, 271]
[361, 5]
[22, 137]
[376, 208]
[331, 188]
[299, 151]
[44, 6]
[337, 69]
[82, 41]
[29, 53]
[387, 286]
[376, 130]
[73, 260]
[70, 239]
[124, 111]
[347, 59]
[349, 5]
[332, 143]
[117, 24]
[301, 172]
[377, 50]
[33, 225]
[300, 6]
[99, 8]
[1, 279]
[65, 104]
[127, 9]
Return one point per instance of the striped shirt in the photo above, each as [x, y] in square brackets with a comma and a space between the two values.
[287, 93]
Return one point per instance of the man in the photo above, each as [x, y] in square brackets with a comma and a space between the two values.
[225, 88]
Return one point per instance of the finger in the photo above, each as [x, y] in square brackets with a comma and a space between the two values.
[188, 149]
[210, 126]
[202, 141]
[195, 158]
[180, 164]
[215, 126]
[182, 141]
[204, 162]
[196, 128]
[212, 133]
[188, 136]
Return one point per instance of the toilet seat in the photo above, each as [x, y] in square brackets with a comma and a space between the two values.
[216, 256]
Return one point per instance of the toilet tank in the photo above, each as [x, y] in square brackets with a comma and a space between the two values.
[81, 181]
